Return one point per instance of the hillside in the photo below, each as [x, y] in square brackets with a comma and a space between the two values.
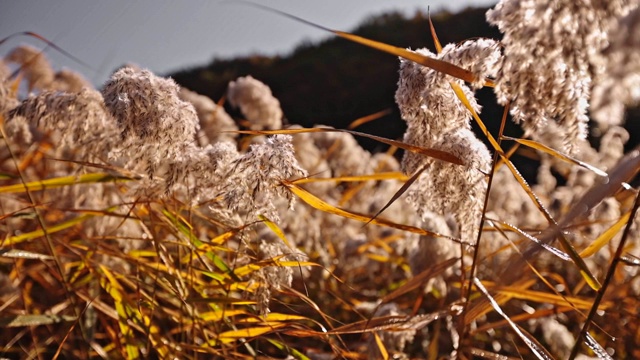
[336, 81]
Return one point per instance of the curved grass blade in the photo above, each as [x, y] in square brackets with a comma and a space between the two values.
[365, 119]
[12, 240]
[558, 155]
[49, 43]
[605, 237]
[320, 204]
[276, 230]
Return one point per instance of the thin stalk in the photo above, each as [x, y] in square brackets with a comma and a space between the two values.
[466, 294]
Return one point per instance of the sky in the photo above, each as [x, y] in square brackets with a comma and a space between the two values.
[166, 36]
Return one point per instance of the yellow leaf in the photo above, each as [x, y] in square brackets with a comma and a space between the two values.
[319, 204]
[605, 237]
[538, 146]
[276, 230]
[62, 181]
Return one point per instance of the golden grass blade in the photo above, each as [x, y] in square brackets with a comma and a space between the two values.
[365, 119]
[320, 204]
[436, 154]
[548, 298]
[538, 350]
[391, 175]
[276, 229]
[383, 350]
[251, 332]
[253, 267]
[434, 36]
[220, 314]
[16, 239]
[62, 181]
[115, 290]
[605, 237]
[558, 155]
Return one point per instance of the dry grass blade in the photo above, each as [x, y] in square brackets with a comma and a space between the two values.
[434, 153]
[483, 306]
[33, 320]
[23, 254]
[383, 350]
[434, 36]
[388, 323]
[558, 155]
[515, 229]
[626, 168]
[392, 175]
[401, 191]
[49, 43]
[365, 119]
[16, 239]
[605, 237]
[630, 164]
[320, 204]
[538, 350]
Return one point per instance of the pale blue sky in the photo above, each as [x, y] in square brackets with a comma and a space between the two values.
[165, 35]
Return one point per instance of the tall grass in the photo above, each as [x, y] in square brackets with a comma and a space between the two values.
[140, 220]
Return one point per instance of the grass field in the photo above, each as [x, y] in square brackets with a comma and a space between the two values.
[140, 220]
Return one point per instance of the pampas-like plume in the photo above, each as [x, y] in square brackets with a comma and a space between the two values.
[157, 127]
[34, 65]
[215, 123]
[81, 120]
[254, 179]
[437, 119]
[551, 51]
[618, 86]
[256, 102]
